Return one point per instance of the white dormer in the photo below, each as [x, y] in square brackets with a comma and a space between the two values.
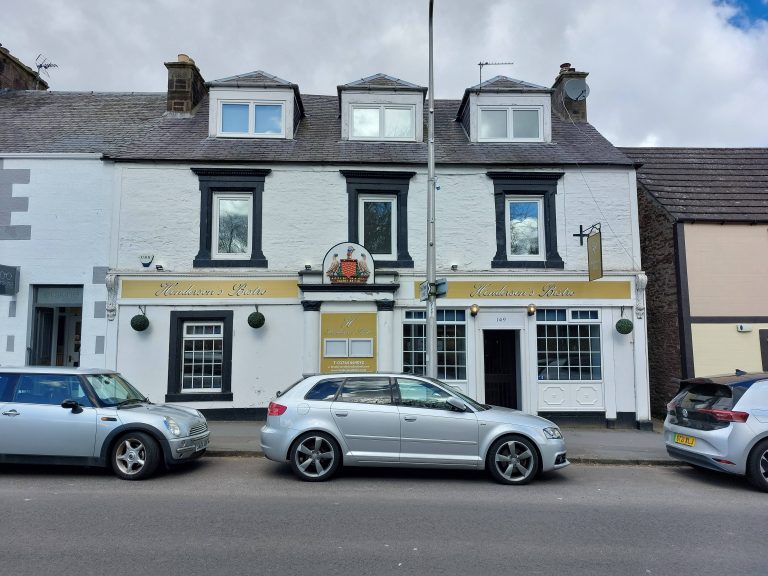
[254, 105]
[505, 110]
[382, 109]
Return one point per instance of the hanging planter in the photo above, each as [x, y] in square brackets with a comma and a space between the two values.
[624, 326]
[256, 319]
[140, 322]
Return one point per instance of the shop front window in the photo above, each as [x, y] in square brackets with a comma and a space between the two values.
[451, 344]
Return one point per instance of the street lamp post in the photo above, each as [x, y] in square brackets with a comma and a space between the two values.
[431, 334]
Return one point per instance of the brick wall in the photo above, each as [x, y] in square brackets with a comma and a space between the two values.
[657, 243]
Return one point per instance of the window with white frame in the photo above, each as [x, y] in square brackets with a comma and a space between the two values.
[348, 347]
[384, 122]
[203, 357]
[451, 344]
[232, 223]
[525, 228]
[511, 123]
[568, 344]
[377, 219]
[252, 119]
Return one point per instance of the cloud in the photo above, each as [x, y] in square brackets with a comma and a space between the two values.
[671, 72]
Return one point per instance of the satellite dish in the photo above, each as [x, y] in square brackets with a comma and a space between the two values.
[576, 89]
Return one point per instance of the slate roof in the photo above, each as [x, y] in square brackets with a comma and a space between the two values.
[134, 127]
[256, 79]
[706, 184]
[382, 82]
[75, 122]
[504, 85]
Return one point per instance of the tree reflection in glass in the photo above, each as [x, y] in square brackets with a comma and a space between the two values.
[377, 227]
[233, 225]
[524, 228]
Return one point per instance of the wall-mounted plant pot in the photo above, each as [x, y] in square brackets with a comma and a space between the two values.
[256, 319]
[140, 322]
[624, 326]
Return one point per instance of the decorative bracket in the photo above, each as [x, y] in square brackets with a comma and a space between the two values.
[586, 232]
[111, 282]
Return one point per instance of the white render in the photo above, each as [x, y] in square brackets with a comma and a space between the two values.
[70, 211]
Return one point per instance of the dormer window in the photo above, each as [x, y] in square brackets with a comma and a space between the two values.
[382, 122]
[506, 110]
[254, 105]
[382, 109]
[510, 123]
[252, 119]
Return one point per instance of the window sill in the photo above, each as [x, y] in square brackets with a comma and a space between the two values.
[554, 263]
[211, 263]
[200, 397]
[405, 263]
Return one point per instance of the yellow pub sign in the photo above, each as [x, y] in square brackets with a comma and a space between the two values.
[577, 290]
[239, 288]
[348, 342]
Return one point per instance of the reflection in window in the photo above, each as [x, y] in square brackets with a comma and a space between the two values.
[524, 228]
[365, 122]
[451, 344]
[398, 123]
[325, 390]
[232, 215]
[382, 122]
[234, 118]
[418, 394]
[378, 226]
[525, 123]
[268, 119]
[493, 124]
[203, 356]
[366, 391]
[567, 351]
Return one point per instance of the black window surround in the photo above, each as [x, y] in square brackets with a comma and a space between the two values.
[175, 352]
[535, 184]
[385, 183]
[236, 181]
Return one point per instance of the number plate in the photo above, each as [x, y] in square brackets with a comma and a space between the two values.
[686, 440]
[201, 444]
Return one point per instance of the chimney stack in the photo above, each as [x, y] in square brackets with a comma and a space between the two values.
[565, 107]
[15, 75]
[186, 87]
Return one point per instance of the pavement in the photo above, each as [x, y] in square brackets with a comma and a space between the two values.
[586, 444]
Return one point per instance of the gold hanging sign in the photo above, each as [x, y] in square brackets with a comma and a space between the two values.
[595, 255]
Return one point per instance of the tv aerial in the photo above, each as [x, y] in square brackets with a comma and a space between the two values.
[481, 64]
[576, 89]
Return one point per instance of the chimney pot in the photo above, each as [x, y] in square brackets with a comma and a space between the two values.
[565, 67]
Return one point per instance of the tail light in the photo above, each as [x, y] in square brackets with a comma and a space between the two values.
[276, 409]
[726, 415]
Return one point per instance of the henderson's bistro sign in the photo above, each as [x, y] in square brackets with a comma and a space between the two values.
[548, 290]
[169, 289]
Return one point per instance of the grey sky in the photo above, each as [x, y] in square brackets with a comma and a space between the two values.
[662, 72]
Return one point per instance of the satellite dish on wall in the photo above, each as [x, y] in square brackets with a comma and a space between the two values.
[577, 89]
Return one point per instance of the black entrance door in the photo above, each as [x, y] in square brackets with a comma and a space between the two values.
[500, 353]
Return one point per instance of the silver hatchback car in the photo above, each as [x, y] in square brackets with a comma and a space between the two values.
[721, 423]
[324, 421]
[94, 418]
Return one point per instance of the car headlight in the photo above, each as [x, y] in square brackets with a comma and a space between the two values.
[173, 428]
[552, 433]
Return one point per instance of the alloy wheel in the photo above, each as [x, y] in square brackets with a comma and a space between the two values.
[314, 456]
[131, 456]
[514, 461]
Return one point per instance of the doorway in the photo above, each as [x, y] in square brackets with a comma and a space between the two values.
[763, 335]
[501, 355]
[56, 326]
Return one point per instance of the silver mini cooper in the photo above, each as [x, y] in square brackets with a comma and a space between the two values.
[324, 421]
[94, 418]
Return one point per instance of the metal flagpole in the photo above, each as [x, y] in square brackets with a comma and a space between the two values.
[431, 332]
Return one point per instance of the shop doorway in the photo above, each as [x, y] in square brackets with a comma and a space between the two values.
[56, 326]
[501, 355]
[763, 335]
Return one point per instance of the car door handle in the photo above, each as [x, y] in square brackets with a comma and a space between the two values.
[11, 413]
[341, 414]
[409, 418]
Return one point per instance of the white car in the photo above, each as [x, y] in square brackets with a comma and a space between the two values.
[721, 423]
[325, 421]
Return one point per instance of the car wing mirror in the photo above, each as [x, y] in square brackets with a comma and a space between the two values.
[73, 405]
[457, 404]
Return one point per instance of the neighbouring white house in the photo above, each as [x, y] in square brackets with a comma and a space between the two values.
[253, 234]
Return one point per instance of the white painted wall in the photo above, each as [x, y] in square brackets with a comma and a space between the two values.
[70, 210]
[263, 361]
[305, 212]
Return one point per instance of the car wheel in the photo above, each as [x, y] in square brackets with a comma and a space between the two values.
[513, 460]
[135, 456]
[315, 457]
[757, 466]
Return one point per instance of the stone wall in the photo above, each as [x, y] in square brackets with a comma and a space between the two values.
[657, 242]
[14, 75]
